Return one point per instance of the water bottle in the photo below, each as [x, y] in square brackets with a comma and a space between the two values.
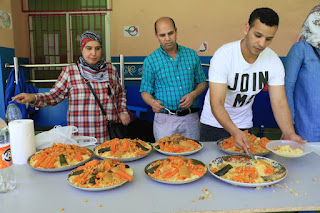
[7, 176]
[13, 112]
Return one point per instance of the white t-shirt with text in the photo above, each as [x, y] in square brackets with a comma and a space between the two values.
[244, 80]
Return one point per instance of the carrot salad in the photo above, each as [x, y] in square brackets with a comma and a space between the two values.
[123, 148]
[257, 145]
[176, 169]
[59, 155]
[244, 171]
[177, 144]
[100, 174]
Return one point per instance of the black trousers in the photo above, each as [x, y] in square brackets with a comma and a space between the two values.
[210, 133]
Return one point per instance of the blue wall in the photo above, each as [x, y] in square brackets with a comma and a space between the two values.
[56, 115]
[262, 112]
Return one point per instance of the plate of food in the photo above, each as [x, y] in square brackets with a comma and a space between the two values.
[59, 157]
[241, 170]
[176, 170]
[124, 150]
[257, 145]
[177, 145]
[100, 175]
[289, 149]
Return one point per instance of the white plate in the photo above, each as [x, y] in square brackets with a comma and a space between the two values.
[306, 148]
[61, 168]
[149, 166]
[125, 159]
[219, 142]
[179, 154]
[275, 164]
[95, 189]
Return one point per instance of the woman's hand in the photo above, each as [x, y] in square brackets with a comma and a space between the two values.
[24, 98]
[125, 118]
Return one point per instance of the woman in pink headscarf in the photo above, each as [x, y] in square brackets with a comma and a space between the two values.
[83, 110]
[302, 68]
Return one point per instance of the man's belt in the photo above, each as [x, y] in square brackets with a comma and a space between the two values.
[181, 112]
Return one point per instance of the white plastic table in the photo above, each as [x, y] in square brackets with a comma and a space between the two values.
[38, 191]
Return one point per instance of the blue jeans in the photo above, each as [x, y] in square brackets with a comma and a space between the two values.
[210, 133]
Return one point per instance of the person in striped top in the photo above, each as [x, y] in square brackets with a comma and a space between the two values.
[172, 80]
[83, 110]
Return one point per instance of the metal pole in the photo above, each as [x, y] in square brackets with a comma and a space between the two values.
[16, 69]
[121, 71]
[68, 35]
[108, 34]
[37, 65]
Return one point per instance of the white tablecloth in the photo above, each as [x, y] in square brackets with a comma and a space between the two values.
[38, 191]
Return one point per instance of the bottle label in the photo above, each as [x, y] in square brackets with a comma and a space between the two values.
[5, 157]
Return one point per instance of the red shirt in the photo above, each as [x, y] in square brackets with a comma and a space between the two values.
[83, 110]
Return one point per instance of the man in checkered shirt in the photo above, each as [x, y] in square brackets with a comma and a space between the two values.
[172, 80]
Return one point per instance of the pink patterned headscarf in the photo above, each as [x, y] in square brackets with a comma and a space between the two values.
[89, 36]
[311, 27]
[96, 72]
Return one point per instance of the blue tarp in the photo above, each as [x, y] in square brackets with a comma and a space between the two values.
[13, 89]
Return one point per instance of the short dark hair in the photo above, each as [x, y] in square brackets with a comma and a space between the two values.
[266, 15]
[155, 25]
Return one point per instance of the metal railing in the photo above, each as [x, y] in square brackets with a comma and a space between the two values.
[121, 63]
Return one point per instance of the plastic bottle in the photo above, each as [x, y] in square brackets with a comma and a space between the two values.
[7, 175]
[13, 112]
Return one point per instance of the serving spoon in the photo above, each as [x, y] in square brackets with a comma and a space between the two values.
[251, 156]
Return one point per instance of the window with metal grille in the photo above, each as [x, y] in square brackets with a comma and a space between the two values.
[55, 27]
[65, 5]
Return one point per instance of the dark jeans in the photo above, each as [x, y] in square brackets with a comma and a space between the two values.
[210, 133]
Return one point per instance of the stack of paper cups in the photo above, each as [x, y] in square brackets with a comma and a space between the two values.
[22, 140]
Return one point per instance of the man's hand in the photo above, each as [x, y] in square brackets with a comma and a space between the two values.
[293, 137]
[187, 100]
[125, 118]
[156, 106]
[24, 98]
[241, 141]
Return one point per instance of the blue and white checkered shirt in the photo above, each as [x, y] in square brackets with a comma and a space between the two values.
[168, 80]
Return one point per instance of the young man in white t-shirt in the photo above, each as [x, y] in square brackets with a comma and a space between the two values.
[238, 72]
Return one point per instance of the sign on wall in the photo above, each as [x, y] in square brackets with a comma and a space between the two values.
[5, 20]
[203, 47]
[131, 31]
